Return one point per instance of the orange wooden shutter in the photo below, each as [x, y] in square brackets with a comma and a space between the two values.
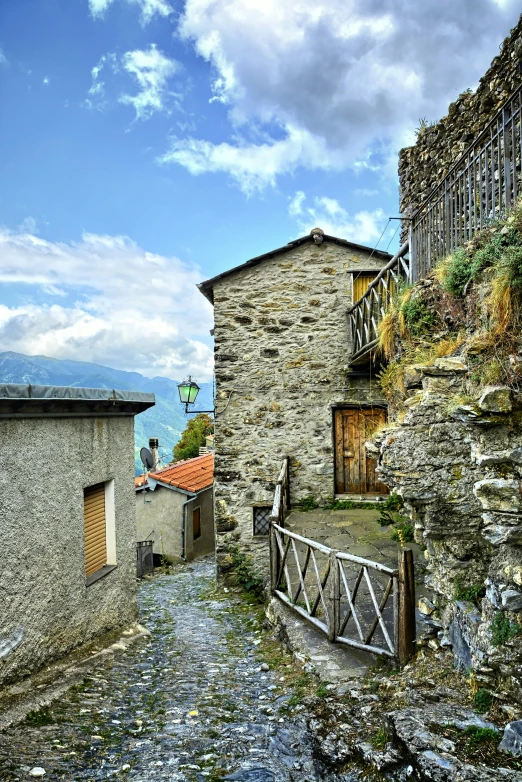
[94, 528]
[360, 285]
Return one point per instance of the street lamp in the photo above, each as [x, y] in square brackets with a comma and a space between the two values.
[188, 392]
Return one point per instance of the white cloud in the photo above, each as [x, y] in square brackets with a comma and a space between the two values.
[3, 58]
[148, 8]
[295, 206]
[327, 213]
[326, 80]
[28, 226]
[119, 305]
[252, 165]
[149, 68]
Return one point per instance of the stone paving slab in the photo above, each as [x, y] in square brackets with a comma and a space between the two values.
[189, 704]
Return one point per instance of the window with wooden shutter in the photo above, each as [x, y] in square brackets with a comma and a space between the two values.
[360, 284]
[94, 528]
[196, 523]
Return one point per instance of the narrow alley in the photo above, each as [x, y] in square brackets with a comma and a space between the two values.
[193, 702]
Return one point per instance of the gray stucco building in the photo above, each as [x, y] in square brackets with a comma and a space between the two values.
[284, 387]
[67, 518]
[175, 507]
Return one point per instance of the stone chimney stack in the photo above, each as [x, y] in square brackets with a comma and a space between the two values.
[153, 448]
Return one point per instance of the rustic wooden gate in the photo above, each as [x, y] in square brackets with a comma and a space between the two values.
[354, 469]
[352, 600]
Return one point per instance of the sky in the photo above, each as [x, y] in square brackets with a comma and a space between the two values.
[147, 145]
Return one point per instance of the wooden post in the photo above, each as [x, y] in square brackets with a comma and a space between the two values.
[405, 637]
[334, 597]
[288, 483]
[274, 559]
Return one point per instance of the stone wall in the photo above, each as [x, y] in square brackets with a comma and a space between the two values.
[45, 465]
[439, 145]
[282, 349]
[458, 468]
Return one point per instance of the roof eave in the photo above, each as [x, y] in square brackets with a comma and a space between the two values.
[207, 286]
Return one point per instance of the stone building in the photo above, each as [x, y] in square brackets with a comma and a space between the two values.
[175, 507]
[67, 519]
[283, 386]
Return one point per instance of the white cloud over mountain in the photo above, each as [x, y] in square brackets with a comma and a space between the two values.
[107, 300]
[322, 84]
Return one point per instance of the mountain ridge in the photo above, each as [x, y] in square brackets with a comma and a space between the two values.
[166, 420]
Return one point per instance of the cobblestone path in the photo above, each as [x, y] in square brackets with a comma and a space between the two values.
[190, 703]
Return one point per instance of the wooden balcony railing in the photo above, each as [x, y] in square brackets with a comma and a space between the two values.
[365, 315]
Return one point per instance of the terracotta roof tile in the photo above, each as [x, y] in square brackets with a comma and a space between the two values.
[140, 480]
[191, 474]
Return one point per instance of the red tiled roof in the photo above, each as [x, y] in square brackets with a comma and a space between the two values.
[140, 480]
[191, 475]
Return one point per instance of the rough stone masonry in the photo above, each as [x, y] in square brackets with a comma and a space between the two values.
[282, 350]
[458, 467]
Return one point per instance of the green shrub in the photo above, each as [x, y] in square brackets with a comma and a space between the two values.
[418, 318]
[380, 739]
[403, 532]
[244, 572]
[502, 630]
[457, 273]
[389, 511]
[482, 700]
[472, 592]
[308, 503]
[39, 717]
[478, 735]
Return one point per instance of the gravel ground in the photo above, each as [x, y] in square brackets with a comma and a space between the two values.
[190, 703]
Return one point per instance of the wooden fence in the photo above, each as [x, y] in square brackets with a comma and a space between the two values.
[353, 601]
[480, 187]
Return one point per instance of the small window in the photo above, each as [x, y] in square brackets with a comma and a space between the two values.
[262, 520]
[99, 530]
[196, 523]
[94, 528]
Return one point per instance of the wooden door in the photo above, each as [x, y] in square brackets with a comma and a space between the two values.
[354, 469]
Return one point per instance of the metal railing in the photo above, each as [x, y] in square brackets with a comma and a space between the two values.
[366, 314]
[144, 557]
[481, 186]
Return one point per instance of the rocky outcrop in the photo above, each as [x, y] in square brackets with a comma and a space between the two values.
[456, 463]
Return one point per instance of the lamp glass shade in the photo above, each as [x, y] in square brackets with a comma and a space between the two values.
[188, 391]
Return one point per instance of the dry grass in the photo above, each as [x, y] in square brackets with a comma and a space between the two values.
[388, 332]
[502, 302]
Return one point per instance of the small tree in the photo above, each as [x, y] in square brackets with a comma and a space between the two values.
[193, 437]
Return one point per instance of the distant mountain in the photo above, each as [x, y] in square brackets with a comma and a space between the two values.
[166, 420]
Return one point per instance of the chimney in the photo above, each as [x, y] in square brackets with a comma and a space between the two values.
[153, 448]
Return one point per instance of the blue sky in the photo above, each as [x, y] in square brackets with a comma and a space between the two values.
[149, 144]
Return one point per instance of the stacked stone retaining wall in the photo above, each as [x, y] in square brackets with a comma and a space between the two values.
[439, 145]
